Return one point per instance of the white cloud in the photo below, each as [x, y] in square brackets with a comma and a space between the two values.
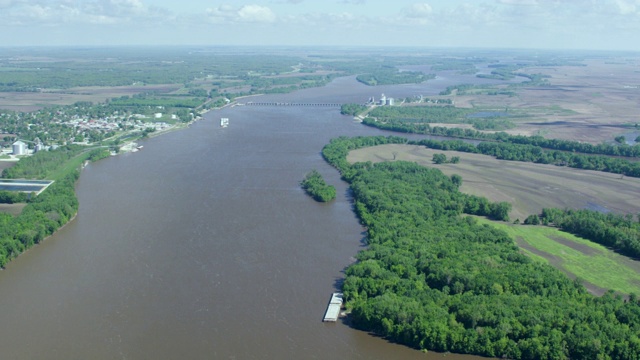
[627, 6]
[8, 3]
[418, 10]
[48, 12]
[519, 2]
[246, 13]
[476, 22]
[256, 13]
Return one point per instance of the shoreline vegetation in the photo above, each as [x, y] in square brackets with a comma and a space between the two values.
[46, 213]
[433, 278]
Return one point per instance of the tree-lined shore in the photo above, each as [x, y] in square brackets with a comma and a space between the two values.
[433, 278]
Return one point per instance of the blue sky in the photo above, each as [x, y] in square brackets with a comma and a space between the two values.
[542, 24]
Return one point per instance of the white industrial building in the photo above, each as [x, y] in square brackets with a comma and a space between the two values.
[19, 148]
[385, 101]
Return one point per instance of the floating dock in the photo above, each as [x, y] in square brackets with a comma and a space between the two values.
[333, 309]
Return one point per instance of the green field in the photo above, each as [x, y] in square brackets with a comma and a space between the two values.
[596, 265]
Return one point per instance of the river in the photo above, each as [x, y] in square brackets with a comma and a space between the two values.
[203, 246]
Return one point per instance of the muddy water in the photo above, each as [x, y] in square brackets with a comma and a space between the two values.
[202, 246]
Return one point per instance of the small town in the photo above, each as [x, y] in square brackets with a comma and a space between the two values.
[79, 125]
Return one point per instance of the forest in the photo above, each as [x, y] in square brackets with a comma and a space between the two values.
[434, 278]
[50, 210]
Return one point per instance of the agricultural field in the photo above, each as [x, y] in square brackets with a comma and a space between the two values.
[591, 103]
[30, 101]
[529, 188]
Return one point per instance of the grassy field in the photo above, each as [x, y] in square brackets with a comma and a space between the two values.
[599, 267]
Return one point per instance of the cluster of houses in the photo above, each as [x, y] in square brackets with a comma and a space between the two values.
[81, 125]
[113, 123]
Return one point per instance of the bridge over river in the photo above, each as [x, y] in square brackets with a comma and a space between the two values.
[251, 103]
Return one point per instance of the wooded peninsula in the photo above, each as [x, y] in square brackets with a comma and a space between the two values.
[433, 278]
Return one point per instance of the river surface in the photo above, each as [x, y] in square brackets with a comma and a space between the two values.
[203, 246]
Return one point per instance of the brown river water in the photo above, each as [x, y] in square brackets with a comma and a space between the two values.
[203, 246]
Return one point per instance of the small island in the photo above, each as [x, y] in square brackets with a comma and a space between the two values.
[316, 187]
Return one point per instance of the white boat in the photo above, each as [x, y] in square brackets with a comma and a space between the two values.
[224, 122]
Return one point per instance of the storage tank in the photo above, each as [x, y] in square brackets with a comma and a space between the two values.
[19, 148]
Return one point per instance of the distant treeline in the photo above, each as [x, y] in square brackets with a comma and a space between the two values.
[155, 101]
[391, 76]
[533, 148]
[536, 154]
[432, 278]
[426, 114]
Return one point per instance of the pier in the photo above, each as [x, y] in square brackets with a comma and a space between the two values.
[333, 309]
[251, 103]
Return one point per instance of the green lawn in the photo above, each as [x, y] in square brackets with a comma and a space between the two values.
[589, 261]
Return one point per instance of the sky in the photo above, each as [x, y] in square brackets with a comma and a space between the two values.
[537, 24]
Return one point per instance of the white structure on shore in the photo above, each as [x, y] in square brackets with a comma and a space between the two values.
[19, 148]
[385, 101]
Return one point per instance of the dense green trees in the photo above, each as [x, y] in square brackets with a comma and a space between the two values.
[317, 188]
[48, 211]
[421, 114]
[42, 216]
[442, 159]
[42, 163]
[352, 109]
[439, 158]
[12, 197]
[434, 279]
